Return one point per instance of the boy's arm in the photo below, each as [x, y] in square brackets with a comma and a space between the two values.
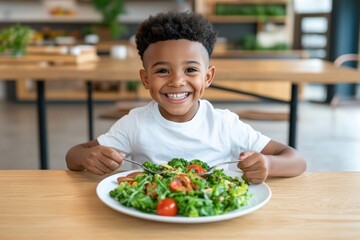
[283, 161]
[93, 157]
[276, 159]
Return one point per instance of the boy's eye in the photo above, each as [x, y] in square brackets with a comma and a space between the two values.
[190, 70]
[162, 70]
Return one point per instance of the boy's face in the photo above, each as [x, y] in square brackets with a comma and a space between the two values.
[176, 72]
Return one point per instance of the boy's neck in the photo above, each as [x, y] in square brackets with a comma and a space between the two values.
[188, 116]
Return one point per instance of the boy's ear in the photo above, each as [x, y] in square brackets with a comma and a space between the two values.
[144, 78]
[209, 76]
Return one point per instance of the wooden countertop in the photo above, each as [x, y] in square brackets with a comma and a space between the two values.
[58, 204]
[295, 70]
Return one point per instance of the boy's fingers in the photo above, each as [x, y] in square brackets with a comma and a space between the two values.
[255, 176]
[96, 170]
[108, 164]
[247, 161]
[245, 155]
[111, 165]
[113, 155]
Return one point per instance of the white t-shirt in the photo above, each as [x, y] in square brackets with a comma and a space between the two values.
[213, 135]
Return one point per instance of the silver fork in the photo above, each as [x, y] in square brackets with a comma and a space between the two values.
[211, 169]
[142, 166]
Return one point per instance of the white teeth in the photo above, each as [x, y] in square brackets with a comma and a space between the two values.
[177, 96]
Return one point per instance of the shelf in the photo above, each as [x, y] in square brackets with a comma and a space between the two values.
[33, 11]
[246, 19]
[249, 2]
[264, 16]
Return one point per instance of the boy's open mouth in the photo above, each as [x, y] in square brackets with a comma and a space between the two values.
[177, 96]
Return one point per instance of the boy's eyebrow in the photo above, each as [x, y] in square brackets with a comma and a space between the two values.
[166, 63]
[194, 62]
[158, 63]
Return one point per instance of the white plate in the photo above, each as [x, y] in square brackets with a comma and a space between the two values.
[261, 195]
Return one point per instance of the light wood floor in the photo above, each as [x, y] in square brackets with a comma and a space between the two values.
[328, 138]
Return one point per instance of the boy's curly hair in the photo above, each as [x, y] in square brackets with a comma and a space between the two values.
[173, 26]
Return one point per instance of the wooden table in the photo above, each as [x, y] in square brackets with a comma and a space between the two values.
[57, 204]
[296, 71]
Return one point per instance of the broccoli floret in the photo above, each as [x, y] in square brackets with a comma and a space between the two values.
[178, 163]
[153, 166]
[182, 163]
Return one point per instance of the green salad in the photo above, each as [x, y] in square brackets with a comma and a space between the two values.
[180, 190]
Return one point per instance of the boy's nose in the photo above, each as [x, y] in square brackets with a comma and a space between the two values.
[177, 80]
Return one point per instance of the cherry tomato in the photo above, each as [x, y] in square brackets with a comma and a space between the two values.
[181, 183]
[197, 168]
[167, 207]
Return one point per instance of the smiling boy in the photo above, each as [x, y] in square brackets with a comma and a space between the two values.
[177, 83]
[175, 49]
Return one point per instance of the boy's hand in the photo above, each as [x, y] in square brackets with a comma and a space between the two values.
[101, 160]
[254, 165]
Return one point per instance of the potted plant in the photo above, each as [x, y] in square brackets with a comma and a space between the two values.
[110, 10]
[15, 39]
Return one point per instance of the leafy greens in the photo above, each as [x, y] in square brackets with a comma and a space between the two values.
[215, 194]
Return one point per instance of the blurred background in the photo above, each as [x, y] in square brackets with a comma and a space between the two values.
[329, 115]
